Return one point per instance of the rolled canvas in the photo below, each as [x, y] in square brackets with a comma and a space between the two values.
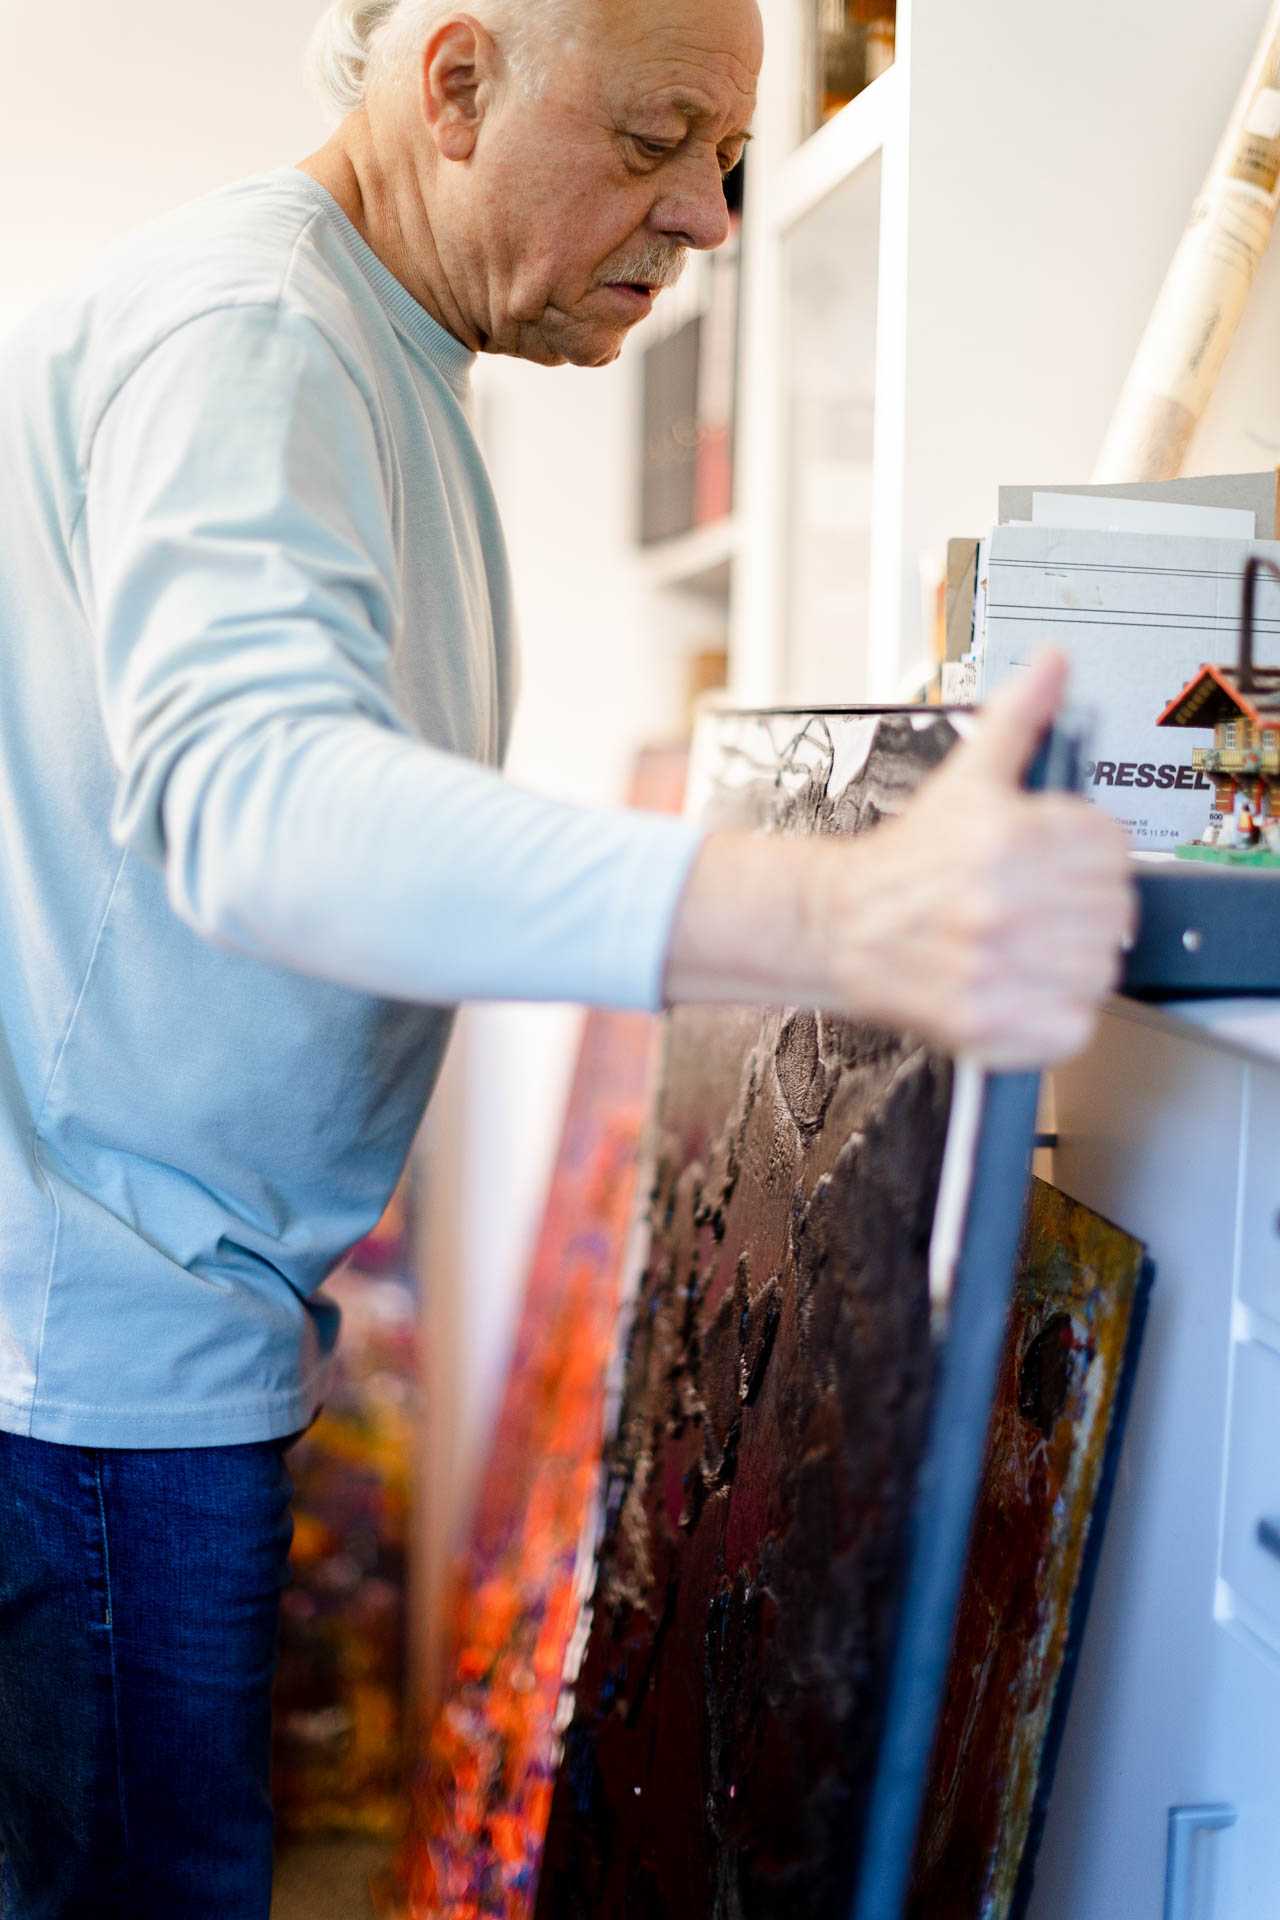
[1198, 309]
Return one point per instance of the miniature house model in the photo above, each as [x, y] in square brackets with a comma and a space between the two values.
[1242, 705]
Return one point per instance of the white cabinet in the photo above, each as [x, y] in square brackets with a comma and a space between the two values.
[1177, 1698]
[1250, 1566]
[1260, 1218]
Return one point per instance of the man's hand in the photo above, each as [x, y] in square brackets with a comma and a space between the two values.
[984, 918]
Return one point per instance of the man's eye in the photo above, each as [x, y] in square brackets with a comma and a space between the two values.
[652, 149]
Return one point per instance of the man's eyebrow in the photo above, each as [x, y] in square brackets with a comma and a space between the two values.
[697, 110]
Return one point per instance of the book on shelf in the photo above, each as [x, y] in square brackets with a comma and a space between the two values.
[670, 465]
[718, 386]
[690, 382]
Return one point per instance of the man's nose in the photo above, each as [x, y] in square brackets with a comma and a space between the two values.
[693, 210]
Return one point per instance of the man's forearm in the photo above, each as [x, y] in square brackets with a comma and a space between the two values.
[752, 923]
[986, 919]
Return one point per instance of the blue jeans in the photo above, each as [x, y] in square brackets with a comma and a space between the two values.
[139, 1598]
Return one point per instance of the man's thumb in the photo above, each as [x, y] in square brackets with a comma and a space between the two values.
[1015, 718]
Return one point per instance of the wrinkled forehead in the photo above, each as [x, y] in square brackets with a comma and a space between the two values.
[703, 54]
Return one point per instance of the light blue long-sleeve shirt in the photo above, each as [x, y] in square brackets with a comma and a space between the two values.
[255, 636]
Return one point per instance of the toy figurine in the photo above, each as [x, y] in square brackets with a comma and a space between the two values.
[1242, 705]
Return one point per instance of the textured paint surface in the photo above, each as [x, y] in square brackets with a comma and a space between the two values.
[1076, 1318]
[483, 1788]
[731, 1665]
[482, 1785]
[725, 1717]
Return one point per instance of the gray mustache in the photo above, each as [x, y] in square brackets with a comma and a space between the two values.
[657, 266]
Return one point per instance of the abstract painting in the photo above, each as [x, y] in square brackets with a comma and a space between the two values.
[725, 1620]
[723, 1727]
[482, 1786]
[729, 1692]
[1071, 1349]
[338, 1761]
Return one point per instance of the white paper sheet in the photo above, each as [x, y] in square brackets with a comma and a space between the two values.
[1103, 513]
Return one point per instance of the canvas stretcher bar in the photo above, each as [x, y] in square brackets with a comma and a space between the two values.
[993, 1131]
[982, 1197]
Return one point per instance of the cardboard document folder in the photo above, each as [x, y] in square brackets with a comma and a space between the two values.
[1257, 494]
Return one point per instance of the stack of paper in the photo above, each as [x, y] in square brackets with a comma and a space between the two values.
[1139, 590]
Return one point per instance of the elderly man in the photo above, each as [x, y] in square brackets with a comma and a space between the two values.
[256, 673]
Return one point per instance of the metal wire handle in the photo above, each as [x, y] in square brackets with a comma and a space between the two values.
[1253, 566]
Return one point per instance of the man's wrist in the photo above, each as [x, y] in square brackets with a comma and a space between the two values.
[759, 921]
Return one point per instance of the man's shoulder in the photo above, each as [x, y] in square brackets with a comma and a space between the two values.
[261, 244]
[246, 244]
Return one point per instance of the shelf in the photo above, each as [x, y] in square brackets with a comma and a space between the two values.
[829, 280]
[698, 562]
[818, 599]
[829, 156]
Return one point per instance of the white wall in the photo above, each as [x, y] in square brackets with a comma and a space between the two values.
[113, 110]
[1055, 154]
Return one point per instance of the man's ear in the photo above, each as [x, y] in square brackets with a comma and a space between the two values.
[459, 63]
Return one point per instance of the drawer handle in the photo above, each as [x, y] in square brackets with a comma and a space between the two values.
[1269, 1535]
[1184, 1824]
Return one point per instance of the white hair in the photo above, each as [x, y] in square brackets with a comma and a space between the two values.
[359, 42]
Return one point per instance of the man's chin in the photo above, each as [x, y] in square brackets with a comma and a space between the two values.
[578, 354]
[572, 342]
[603, 356]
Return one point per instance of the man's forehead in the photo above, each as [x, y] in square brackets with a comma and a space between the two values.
[691, 51]
[727, 23]
[704, 89]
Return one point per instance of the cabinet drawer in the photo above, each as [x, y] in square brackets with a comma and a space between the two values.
[1251, 1529]
[1260, 1219]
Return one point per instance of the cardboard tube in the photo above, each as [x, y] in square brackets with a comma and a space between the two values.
[1199, 306]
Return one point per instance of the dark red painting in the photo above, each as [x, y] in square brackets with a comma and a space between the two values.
[725, 1651]
[759, 1489]
[726, 1698]
[1072, 1343]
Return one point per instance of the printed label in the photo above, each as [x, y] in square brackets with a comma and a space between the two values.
[1256, 160]
[1263, 117]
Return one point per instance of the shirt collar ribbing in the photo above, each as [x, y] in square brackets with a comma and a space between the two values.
[454, 360]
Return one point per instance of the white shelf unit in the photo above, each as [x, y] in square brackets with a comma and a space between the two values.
[1006, 199]
[699, 562]
[846, 184]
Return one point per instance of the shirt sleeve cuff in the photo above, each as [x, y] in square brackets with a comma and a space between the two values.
[638, 915]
